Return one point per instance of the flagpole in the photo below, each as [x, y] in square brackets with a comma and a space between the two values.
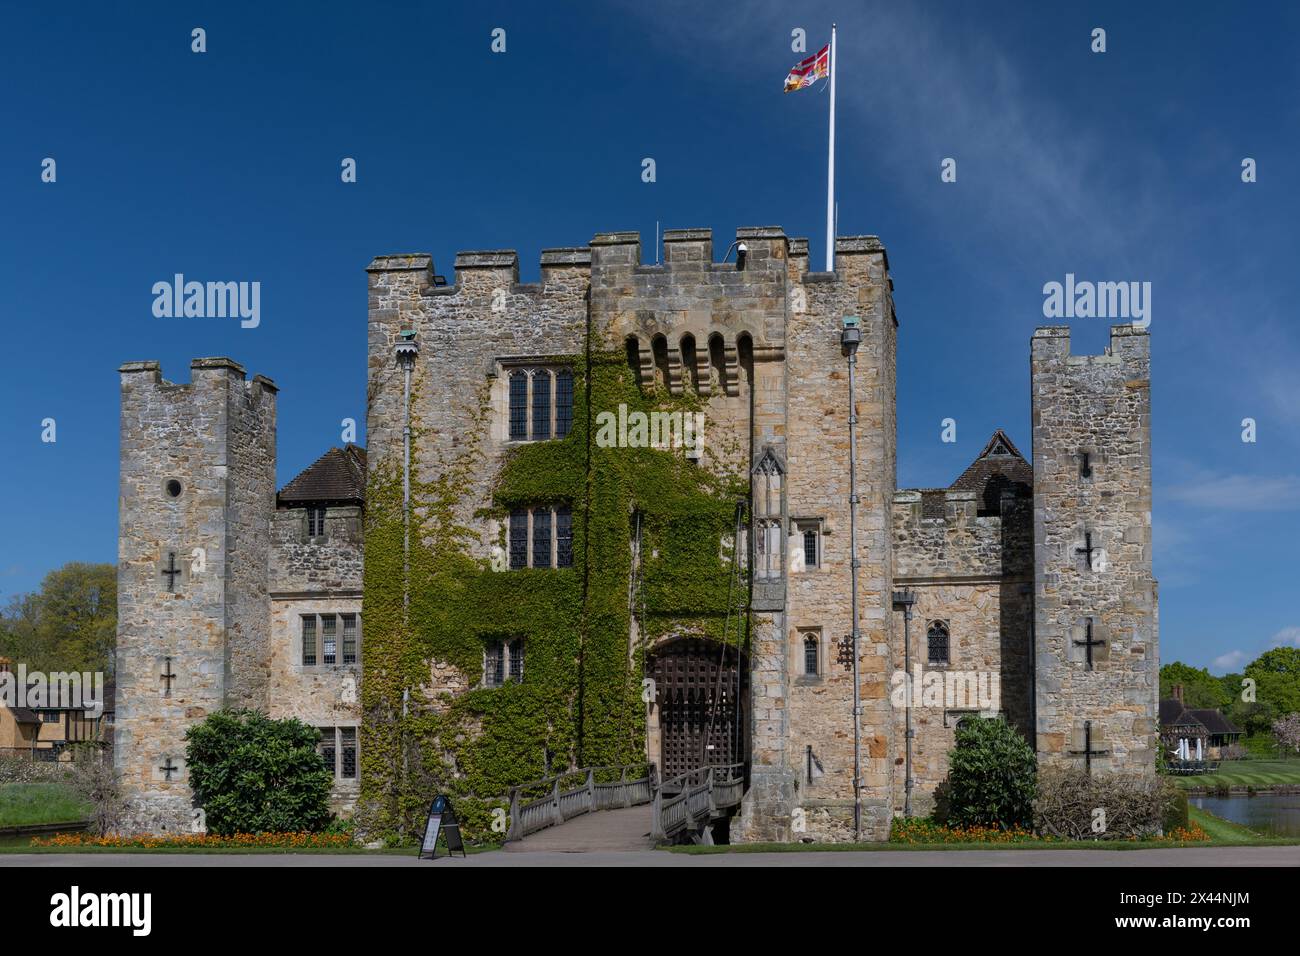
[830, 169]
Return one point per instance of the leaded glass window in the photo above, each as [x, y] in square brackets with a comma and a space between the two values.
[541, 538]
[541, 404]
[348, 748]
[494, 664]
[309, 640]
[518, 405]
[519, 538]
[349, 638]
[328, 638]
[517, 659]
[563, 537]
[937, 639]
[563, 402]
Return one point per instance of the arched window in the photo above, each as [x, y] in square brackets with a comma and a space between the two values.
[518, 405]
[690, 362]
[769, 508]
[659, 346]
[937, 639]
[810, 655]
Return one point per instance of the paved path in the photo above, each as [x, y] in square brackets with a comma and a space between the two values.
[1190, 856]
[619, 830]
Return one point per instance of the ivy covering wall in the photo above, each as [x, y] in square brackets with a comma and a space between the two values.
[579, 703]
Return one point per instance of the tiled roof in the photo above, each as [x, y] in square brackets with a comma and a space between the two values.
[339, 475]
[1000, 466]
[1173, 714]
[1215, 722]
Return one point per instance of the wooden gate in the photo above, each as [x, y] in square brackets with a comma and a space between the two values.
[694, 703]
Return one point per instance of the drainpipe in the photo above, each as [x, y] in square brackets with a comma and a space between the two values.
[406, 352]
[903, 600]
[850, 338]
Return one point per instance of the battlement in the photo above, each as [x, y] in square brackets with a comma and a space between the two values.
[1128, 344]
[767, 248]
[203, 372]
[915, 506]
[939, 532]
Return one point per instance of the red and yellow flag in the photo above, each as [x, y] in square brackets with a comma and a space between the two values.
[809, 71]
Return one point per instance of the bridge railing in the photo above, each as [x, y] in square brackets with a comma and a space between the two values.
[552, 800]
[691, 799]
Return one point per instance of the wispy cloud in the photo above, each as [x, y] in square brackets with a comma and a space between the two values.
[1287, 637]
[1229, 662]
[1239, 492]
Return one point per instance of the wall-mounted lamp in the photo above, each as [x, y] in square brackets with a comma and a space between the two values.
[851, 334]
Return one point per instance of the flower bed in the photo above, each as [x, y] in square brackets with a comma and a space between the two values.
[924, 830]
[288, 841]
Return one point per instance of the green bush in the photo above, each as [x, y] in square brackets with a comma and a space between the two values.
[990, 776]
[252, 774]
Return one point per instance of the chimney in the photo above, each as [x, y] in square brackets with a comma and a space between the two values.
[1178, 693]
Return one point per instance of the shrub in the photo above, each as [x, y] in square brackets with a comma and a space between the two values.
[252, 774]
[990, 777]
[95, 780]
[1132, 807]
[1176, 813]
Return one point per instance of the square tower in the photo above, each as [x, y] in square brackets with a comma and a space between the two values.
[1095, 635]
[197, 489]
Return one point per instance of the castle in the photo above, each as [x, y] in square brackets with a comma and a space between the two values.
[1030, 583]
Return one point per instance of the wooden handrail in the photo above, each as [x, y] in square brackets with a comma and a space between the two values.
[586, 794]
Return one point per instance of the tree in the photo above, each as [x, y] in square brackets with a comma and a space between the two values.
[252, 774]
[1277, 674]
[1287, 732]
[70, 624]
[991, 776]
[1200, 687]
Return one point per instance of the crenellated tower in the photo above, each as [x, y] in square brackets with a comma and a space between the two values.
[197, 490]
[1095, 633]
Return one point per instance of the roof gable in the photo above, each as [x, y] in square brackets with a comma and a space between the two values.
[999, 467]
[338, 476]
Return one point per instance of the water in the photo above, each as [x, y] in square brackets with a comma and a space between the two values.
[1270, 814]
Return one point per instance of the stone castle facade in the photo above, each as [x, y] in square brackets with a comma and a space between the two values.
[1034, 578]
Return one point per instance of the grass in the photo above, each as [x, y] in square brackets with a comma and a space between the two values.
[252, 851]
[1220, 831]
[1260, 774]
[26, 804]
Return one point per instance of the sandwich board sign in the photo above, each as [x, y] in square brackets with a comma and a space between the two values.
[442, 822]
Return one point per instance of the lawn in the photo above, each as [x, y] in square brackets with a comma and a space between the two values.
[1247, 773]
[25, 804]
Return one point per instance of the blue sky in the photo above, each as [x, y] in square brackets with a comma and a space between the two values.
[225, 166]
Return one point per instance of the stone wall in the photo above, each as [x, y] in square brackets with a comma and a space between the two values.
[319, 575]
[821, 707]
[1099, 405]
[463, 332]
[973, 573]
